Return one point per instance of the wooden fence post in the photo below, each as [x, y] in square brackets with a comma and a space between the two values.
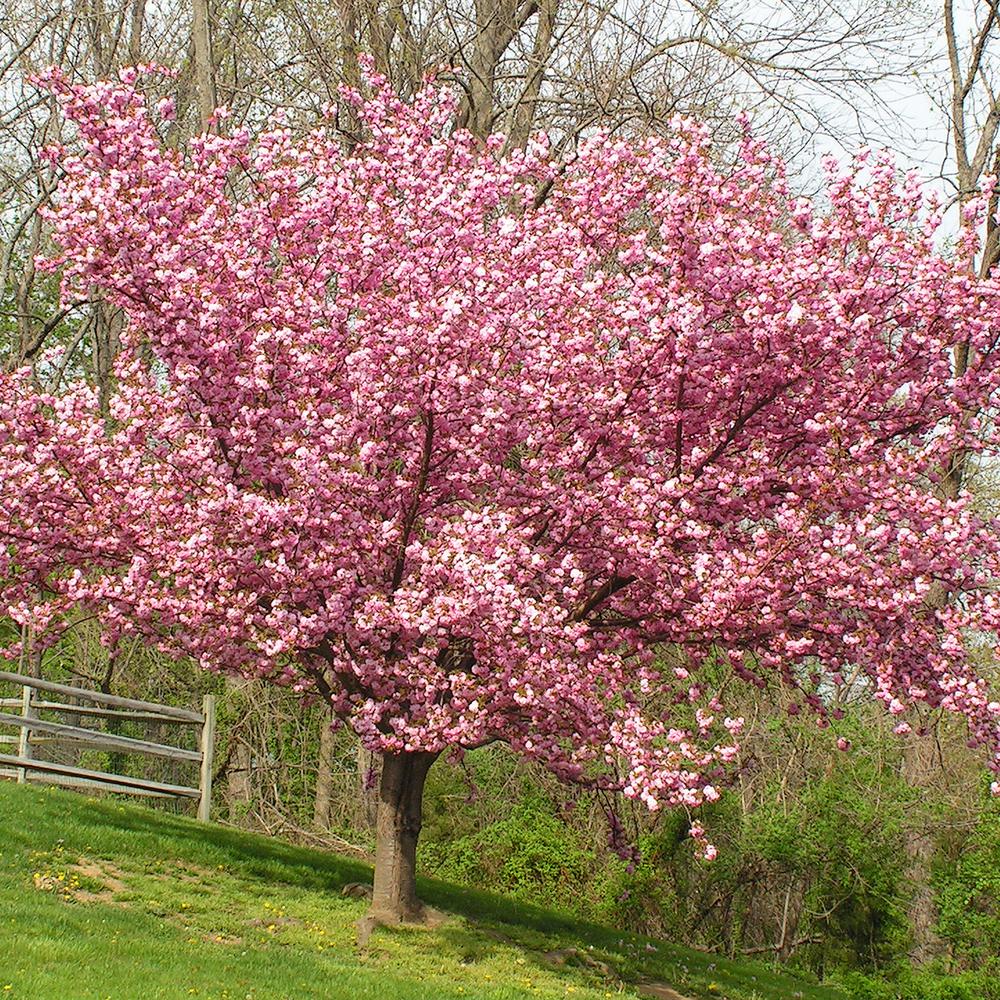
[24, 739]
[207, 753]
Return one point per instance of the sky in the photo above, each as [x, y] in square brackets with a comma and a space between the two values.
[909, 115]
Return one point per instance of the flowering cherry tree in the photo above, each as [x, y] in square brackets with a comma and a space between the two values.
[478, 446]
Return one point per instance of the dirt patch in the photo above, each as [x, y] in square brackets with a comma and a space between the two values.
[580, 959]
[101, 871]
[193, 874]
[659, 991]
[86, 881]
[50, 883]
[86, 896]
[222, 938]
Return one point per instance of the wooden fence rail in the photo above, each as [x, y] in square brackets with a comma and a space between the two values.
[102, 707]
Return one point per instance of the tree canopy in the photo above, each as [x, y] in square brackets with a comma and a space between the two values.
[479, 445]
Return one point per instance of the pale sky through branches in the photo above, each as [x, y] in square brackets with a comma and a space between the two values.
[911, 116]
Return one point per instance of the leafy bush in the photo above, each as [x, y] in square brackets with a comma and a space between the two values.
[530, 856]
[923, 985]
[967, 891]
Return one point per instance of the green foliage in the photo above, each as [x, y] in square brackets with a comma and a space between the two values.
[967, 890]
[852, 853]
[492, 823]
[652, 895]
[826, 863]
[529, 856]
[909, 984]
[824, 859]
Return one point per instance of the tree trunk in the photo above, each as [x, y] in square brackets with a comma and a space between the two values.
[919, 768]
[239, 789]
[324, 775]
[369, 772]
[204, 68]
[397, 827]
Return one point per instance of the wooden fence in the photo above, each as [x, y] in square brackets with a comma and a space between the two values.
[37, 697]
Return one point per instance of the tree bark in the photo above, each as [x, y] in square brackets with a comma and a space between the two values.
[919, 768]
[239, 788]
[324, 775]
[397, 827]
[369, 772]
[204, 67]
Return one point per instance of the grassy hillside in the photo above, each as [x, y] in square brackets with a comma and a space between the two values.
[101, 900]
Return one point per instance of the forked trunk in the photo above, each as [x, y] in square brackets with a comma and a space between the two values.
[397, 827]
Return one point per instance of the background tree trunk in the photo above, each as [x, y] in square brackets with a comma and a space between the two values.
[239, 793]
[204, 69]
[324, 775]
[919, 769]
[369, 774]
[401, 790]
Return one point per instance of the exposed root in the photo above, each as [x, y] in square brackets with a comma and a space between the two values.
[426, 918]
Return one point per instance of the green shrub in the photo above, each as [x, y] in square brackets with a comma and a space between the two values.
[923, 985]
[967, 891]
[530, 855]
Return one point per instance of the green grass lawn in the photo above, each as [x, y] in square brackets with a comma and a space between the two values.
[100, 900]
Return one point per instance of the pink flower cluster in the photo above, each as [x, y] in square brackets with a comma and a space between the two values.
[491, 447]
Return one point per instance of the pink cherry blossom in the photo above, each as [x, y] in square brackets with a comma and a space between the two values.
[484, 446]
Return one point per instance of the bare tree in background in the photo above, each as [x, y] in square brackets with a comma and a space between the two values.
[799, 68]
[969, 105]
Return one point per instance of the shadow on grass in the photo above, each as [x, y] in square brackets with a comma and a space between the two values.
[494, 922]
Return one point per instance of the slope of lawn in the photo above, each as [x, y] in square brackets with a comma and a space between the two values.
[101, 900]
